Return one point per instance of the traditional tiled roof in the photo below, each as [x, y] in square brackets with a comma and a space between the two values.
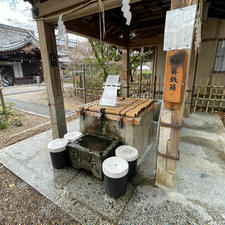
[12, 38]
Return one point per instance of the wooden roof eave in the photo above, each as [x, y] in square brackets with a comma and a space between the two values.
[77, 23]
[51, 10]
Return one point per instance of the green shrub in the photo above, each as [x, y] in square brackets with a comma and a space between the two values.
[9, 118]
[3, 125]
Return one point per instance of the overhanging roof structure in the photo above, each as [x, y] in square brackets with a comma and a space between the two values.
[82, 17]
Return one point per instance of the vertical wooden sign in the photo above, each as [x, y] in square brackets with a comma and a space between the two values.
[176, 69]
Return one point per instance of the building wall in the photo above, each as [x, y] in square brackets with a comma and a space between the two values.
[210, 35]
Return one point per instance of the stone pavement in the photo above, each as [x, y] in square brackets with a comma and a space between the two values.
[199, 197]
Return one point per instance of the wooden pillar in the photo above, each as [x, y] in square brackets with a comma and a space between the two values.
[170, 126]
[124, 78]
[52, 78]
[192, 70]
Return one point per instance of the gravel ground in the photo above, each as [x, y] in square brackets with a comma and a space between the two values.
[20, 203]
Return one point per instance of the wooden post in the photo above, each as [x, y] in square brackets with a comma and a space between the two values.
[190, 83]
[141, 75]
[154, 69]
[124, 78]
[84, 79]
[1, 96]
[52, 78]
[170, 127]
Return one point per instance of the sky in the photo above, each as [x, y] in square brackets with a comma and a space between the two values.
[21, 16]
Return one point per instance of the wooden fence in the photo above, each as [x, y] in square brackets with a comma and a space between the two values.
[209, 97]
[93, 90]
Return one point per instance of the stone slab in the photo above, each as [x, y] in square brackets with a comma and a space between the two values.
[88, 189]
[42, 166]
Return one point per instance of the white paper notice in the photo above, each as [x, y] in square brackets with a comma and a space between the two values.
[109, 95]
[179, 28]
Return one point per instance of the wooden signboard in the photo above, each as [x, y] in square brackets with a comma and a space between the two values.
[176, 69]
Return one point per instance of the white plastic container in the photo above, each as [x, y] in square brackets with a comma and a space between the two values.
[72, 136]
[130, 154]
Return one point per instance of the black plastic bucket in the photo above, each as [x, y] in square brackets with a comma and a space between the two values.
[130, 154]
[115, 170]
[58, 153]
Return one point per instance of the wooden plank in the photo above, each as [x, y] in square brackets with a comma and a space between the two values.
[127, 120]
[176, 68]
[52, 78]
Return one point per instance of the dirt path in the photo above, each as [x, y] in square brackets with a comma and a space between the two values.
[20, 203]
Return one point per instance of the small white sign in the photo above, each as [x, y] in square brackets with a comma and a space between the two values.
[179, 28]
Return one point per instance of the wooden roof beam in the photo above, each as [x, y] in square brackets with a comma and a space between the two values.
[88, 31]
[146, 42]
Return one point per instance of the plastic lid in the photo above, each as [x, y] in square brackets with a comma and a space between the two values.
[57, 145]
[72, 136]
[115, 167]
[127, 152]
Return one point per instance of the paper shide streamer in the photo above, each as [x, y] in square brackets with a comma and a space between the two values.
[126, 11]
[62, 33]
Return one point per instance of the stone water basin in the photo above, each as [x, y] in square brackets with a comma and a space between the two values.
[90, 150]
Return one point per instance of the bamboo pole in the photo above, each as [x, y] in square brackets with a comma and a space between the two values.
[210, 94]
[215, 97]
[205, 92]
[197, 97]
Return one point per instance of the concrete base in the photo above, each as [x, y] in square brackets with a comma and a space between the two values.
[142, 137]
[138, 136]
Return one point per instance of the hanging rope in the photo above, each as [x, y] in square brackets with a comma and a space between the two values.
[198, 27]
[62, 33]
[101, 20]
